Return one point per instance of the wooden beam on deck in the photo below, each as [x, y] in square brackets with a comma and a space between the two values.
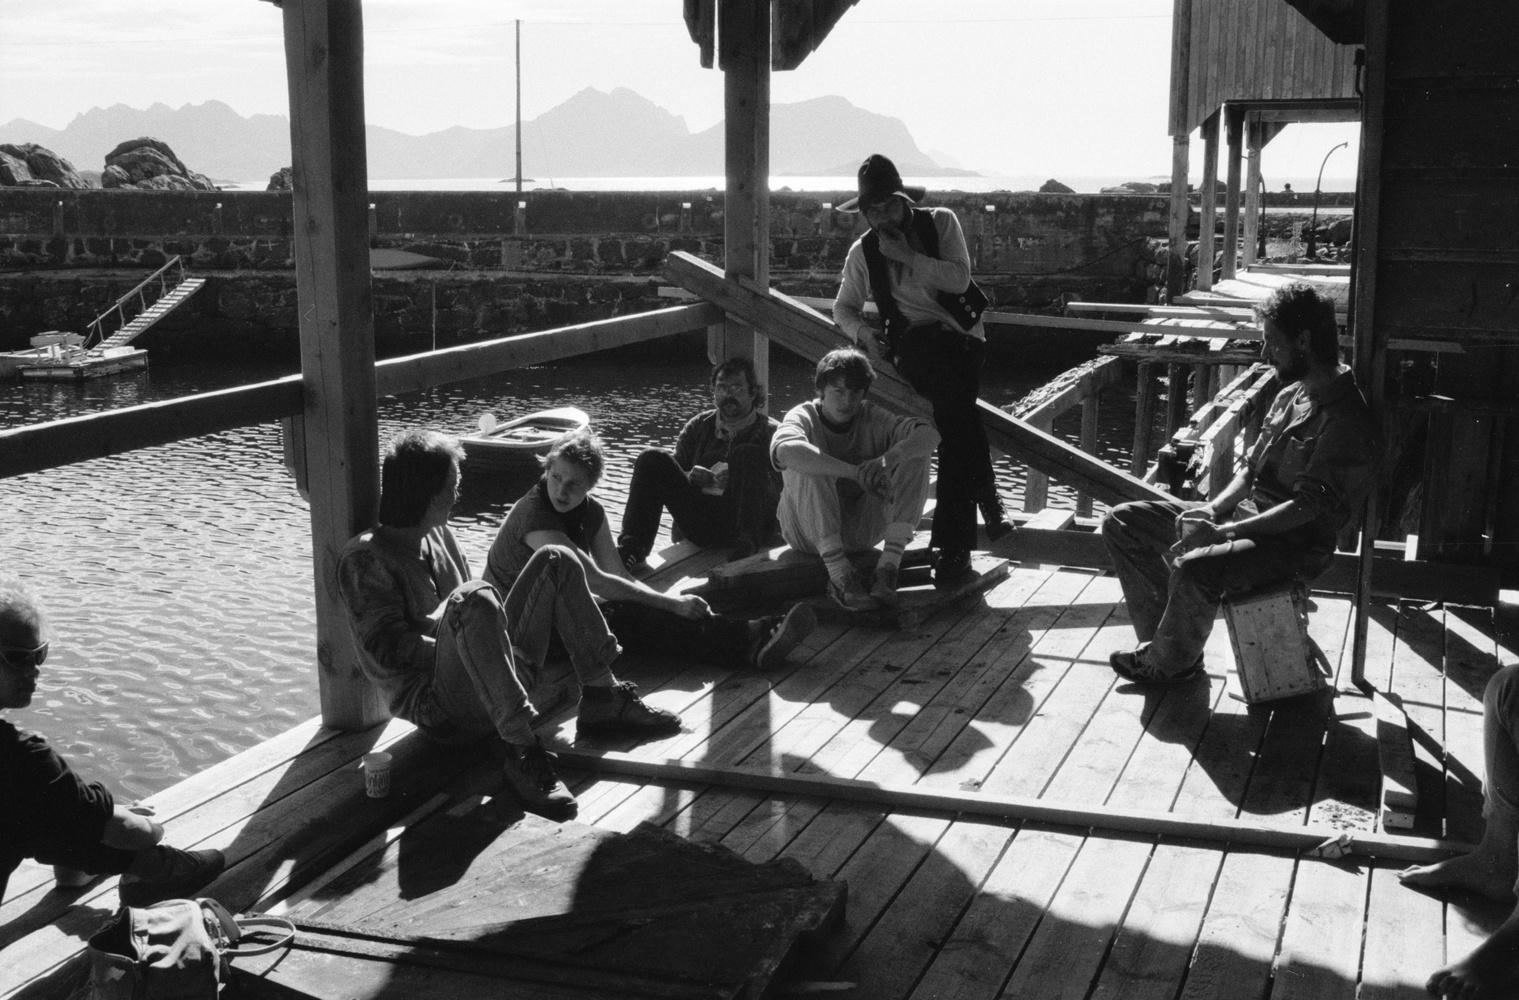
[810, 335]
[324, 59]
[1237, 832]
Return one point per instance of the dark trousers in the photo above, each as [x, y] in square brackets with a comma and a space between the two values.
[717, 640]
[1173, 600]
[944, 367]
[745, 510]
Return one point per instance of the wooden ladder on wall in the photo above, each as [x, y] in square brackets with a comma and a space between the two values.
[174, 287]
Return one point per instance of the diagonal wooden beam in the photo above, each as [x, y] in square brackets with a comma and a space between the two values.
[809, 334]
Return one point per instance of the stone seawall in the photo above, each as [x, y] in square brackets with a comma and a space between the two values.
[495, 269]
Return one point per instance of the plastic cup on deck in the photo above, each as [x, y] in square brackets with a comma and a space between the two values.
[377, 774]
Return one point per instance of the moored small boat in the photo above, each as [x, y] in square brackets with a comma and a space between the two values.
[522, 440]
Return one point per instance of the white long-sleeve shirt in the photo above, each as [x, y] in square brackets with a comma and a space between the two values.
[913, 285]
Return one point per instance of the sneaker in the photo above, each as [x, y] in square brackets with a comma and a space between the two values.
[884, 589]
[1127, 664]
[851, 594]
[619, 711]
[170, 873]
[951, 566]
[530, 776]
[633, 561]
[782, 635]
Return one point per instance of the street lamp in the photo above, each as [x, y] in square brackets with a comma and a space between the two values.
[1313, 226]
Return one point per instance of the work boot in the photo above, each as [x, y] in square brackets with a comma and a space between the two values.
[530, 777]
[951, 566]
[780, 635]
[993, 515]
[160, 873]
[618, 711]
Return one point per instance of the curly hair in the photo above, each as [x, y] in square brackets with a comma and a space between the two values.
[583, 448]
[18, 607]
[413, 468]
[1298, 307]
[847, 363]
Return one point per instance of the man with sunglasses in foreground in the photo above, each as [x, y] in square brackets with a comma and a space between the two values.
[50, 814]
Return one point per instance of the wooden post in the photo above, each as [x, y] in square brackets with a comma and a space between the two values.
[744, 57]
[1036, 485]
[1370, 360]
[1254, 142]
[1181, 88]
[1207, 215]
[1176, 397]
[1144, 415]
[324, 58]
[1176, 254]
[1233, 118]
[1091, 405]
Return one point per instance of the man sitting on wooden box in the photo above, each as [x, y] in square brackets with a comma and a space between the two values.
[719, 484]
[1276, 521]
[853, 477]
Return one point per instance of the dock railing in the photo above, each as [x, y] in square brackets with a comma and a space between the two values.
[35, 447]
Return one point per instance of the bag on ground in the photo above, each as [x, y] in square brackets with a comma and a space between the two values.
[179, 949]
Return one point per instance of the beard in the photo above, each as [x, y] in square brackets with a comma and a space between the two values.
[1294, 368]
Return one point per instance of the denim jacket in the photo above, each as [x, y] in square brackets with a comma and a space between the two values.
[1317, 451]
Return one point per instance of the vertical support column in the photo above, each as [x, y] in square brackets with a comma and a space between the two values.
[1176, 397]
[1203, 386]
[1181, 134]
[744, 57]
[1176, 254]
[1036, 485]
[1370, 340]
[1144, 415]
[324, 58]
[1233, 119]
[1207, 214]
[1254, 142]
[1091, 405]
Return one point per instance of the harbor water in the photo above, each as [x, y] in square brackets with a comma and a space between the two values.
[177, 579]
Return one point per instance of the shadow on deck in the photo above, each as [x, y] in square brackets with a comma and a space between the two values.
[1003, 697]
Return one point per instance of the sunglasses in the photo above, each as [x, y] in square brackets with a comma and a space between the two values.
[17, 658]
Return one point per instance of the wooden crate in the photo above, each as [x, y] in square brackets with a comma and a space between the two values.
[1269, 632]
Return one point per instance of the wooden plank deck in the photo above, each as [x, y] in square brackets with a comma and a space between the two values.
[1004, 697]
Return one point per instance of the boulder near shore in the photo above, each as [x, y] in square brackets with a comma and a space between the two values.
[31, 165]
[149, 164]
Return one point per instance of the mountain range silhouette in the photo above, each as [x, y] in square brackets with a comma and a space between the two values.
[592, 134]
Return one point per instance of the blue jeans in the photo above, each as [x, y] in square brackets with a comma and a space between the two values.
[490, 650]
[1174, 600]
[745, 510]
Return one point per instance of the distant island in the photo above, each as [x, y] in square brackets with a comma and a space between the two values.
[592, 134]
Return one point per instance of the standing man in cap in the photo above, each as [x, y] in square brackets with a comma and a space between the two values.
[914, 264]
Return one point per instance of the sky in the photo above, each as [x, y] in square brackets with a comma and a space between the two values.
[1006, 87]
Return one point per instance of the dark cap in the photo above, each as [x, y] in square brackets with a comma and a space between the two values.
[879, 180]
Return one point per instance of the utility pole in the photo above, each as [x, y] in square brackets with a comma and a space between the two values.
[519, 111]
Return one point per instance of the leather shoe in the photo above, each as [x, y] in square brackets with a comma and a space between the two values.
[951, 566]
